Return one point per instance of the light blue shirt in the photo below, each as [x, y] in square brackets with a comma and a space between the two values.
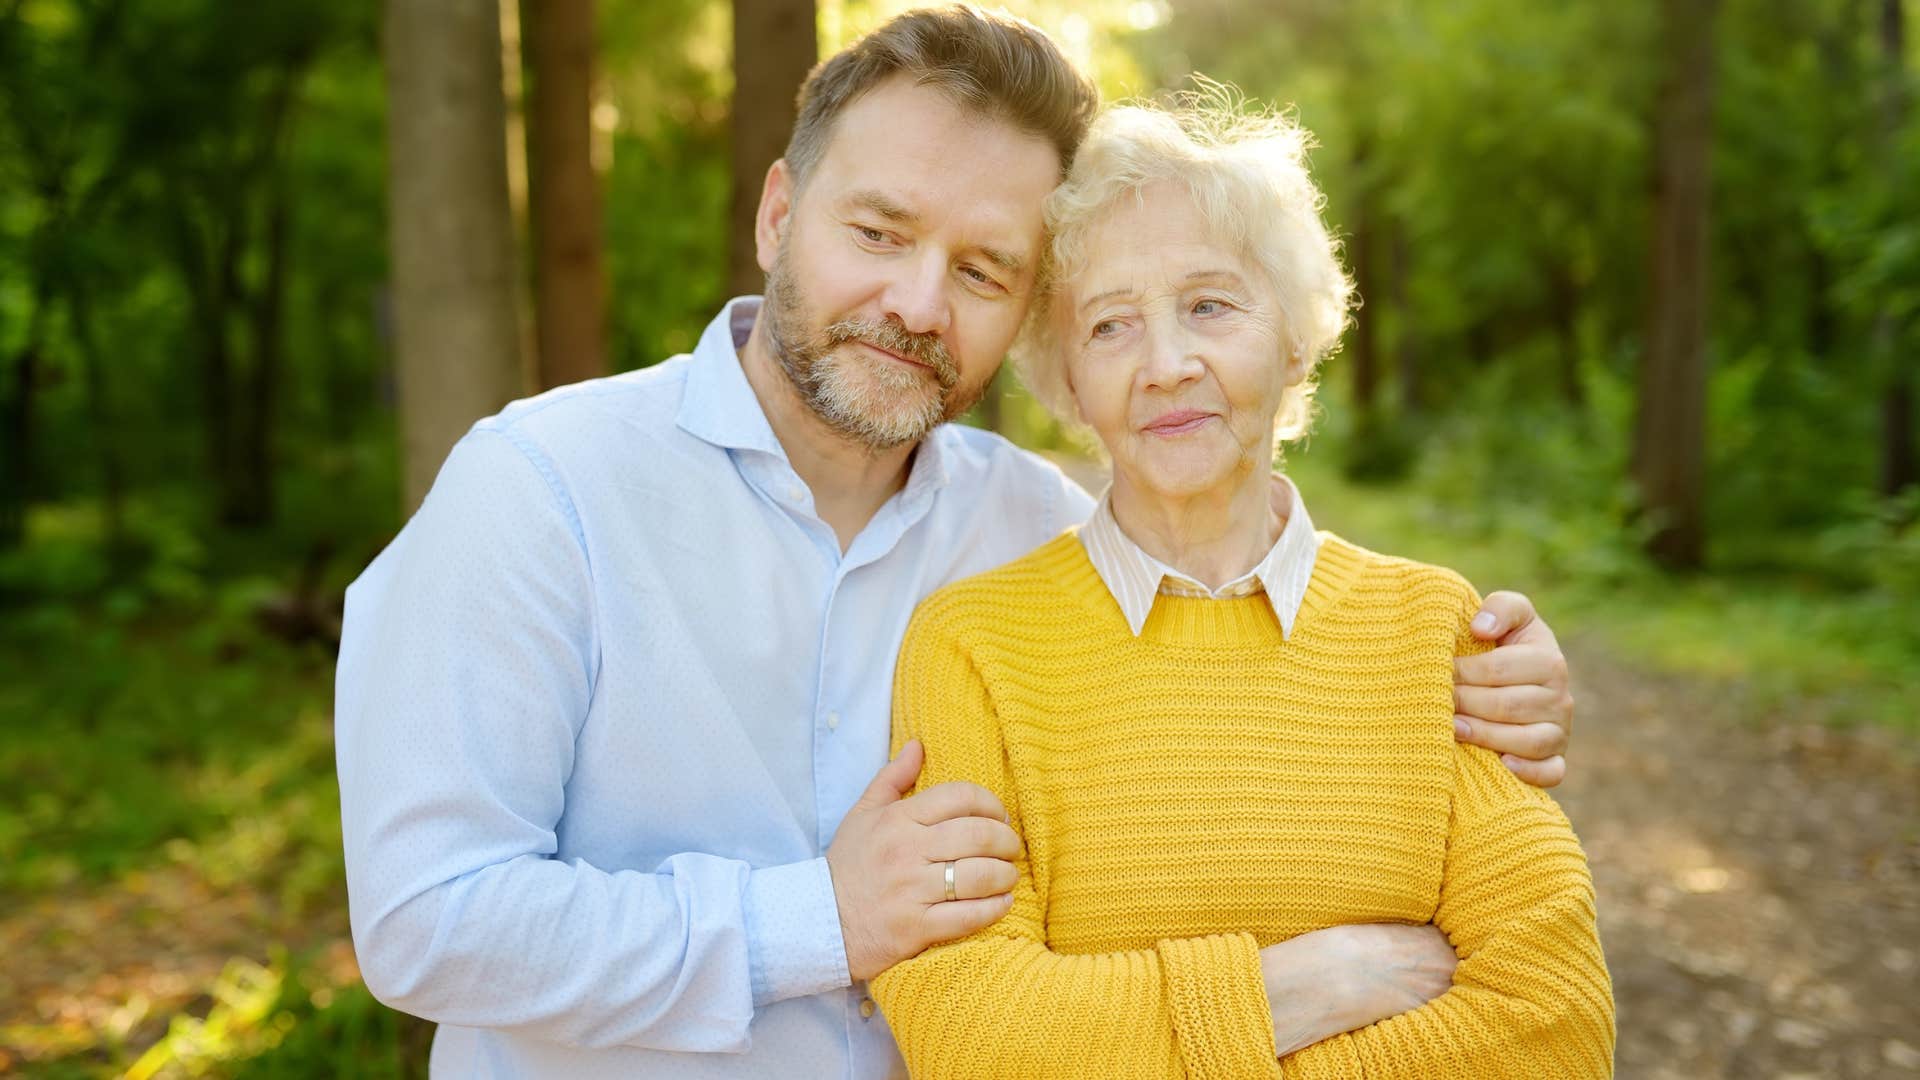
[602, 704]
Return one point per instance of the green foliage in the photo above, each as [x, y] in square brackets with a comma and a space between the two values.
[1493, 156]
[286, 1018]
[126, 739]
[666, 260]
[1516, 498]
[341, 1032]
[668, 76]
[146, 152]
[1505, 150]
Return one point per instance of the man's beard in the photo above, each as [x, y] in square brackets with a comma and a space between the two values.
[876, 403]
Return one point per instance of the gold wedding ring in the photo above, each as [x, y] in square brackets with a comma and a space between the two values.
[951, 895]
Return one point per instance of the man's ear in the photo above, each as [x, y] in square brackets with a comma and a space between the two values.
[776, 205]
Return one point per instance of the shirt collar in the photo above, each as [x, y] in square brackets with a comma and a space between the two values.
[720, 407]
[1135, 577]
[718, 404]
[929, 472]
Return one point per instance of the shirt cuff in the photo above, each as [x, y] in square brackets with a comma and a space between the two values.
[793, 932]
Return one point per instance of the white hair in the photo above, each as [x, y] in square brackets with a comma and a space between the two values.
[1246, 171]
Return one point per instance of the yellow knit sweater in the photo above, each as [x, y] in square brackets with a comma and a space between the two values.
[1208, 788]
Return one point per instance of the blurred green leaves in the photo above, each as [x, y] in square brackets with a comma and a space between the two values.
[152, 721]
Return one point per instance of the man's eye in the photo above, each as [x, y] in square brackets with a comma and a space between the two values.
[871, 235]
[980, 277]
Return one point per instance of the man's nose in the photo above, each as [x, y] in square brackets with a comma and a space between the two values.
[918, 298]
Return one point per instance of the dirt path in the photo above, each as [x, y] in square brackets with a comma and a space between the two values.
[91, 976]
[1759, 883]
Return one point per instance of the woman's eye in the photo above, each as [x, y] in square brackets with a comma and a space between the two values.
[1106, 328]
[871, 235]
[1208, 307]
[976, 276]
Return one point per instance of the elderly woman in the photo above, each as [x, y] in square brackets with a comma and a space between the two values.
[1215, 729]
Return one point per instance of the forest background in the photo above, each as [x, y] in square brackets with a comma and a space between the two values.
[1641, 287]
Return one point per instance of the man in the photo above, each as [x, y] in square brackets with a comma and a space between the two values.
[621, 682]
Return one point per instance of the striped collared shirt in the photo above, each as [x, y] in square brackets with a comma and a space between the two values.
[1135, 577]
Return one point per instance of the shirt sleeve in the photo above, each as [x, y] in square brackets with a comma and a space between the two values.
[1001, 1003]
[467, 664]
[1531, 996]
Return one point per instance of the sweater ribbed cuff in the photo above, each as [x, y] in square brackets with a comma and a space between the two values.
[1329, 1059]
[1219, 1004]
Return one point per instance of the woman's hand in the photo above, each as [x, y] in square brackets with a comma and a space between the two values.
[1345, 977]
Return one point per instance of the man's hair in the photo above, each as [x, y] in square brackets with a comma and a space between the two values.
[990, 62]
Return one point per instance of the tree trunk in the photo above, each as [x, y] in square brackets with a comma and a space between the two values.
[1669, 452]
[100, 415]
[455, 295]
[209, 264]
[1565, 306]
[216, 371]
[1840, 79]
[1822, 320]
[1899, 469]
[17, 469]
[1364, 360]
[774, 46]
[249, 502]
[247, 497]
[513, 79]
[570, 291]
[1406, 345]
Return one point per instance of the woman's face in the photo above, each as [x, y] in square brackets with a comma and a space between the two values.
[1174, 348]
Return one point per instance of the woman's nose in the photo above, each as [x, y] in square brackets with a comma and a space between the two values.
[1173, 357]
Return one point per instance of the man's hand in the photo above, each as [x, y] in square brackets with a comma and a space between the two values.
[889, 862]
[1346, 977]
[1514, 700]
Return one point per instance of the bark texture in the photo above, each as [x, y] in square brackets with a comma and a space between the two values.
[569, 265]
[1669, 452]
[455, 301]
[774, 47]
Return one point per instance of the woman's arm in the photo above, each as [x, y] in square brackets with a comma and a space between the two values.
[1000, 1003]
[1531, 996]
[1340, 978]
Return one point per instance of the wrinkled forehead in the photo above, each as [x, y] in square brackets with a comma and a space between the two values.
[1158, 227]
[938, 157]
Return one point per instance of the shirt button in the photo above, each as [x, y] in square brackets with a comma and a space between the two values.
[794, 493]
[866, 1008]
[833, 721]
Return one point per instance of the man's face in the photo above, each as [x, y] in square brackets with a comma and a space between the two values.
[904, 265]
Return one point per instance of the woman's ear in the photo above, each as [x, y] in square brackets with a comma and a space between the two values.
[1293, 366]
[1066, 376]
